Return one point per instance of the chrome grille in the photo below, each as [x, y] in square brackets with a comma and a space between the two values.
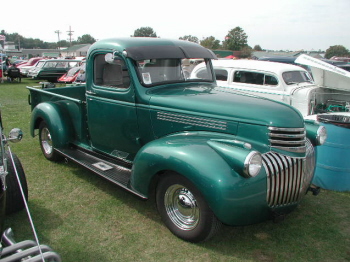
[288, 139]
[288, 178]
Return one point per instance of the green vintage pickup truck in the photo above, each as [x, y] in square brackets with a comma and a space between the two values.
[209, 155]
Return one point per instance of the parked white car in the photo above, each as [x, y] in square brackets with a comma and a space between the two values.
[28, 70]
[287, 83]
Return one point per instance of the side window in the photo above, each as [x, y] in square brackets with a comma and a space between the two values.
[203, 73]
[271, 80]
[73, 64]
[50, 65]
[221, 74]
[254, 78]
[244, 77]
[113, 75]
[61, 65]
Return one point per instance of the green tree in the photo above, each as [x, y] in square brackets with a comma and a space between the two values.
[236, 39]
[31, 43]
[144, 32]
[257, 48]
[336, 50]
[63, 43]
[190, 38]
[210, 43]
[86, 39]
[14, 37]
[246, 52]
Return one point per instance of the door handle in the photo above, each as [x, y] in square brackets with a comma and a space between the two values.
[90, 93]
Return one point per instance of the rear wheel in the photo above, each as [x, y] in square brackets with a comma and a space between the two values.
[14, 198]
[47, 144]
[184, 210]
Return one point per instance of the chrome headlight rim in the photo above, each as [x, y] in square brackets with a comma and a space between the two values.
[253, 164]
[321, 135]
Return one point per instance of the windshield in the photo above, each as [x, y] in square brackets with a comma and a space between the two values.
[40, 64]
[160, 71]
[296, 77]
[73, 71]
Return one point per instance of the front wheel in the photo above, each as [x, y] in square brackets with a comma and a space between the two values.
[14, 198]
[46, 143]
[184, 210]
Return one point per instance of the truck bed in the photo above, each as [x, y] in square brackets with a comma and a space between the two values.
[73, 93]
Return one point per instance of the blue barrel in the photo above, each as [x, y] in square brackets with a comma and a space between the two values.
[333, 158]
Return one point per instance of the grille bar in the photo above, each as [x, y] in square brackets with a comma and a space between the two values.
[288, 139]
[287, 178]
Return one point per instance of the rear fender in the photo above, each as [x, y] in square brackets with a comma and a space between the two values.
[59, 125]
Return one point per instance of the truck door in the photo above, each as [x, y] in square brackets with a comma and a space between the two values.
[111, 111]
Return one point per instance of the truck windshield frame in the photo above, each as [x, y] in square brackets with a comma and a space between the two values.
[152, 72]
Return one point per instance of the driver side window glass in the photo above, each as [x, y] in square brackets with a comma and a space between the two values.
[113, 75]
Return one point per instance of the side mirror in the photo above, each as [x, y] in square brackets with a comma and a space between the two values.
[109, 58]
[15, 135]
[114, 58]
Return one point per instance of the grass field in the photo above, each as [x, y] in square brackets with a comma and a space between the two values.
[87, 219]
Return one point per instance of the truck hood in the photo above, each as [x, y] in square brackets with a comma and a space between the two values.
[224, 103]
[325, 74]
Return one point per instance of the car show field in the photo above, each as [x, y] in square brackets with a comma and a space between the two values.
[85, 218]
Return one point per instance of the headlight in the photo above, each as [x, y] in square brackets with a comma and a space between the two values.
[316, 133]
[252, 164]
[321, 135]
[238, 155]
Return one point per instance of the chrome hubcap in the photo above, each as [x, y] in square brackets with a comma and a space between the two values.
[46, 141]
[181, 207]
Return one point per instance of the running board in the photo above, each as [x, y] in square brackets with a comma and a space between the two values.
[99, 165]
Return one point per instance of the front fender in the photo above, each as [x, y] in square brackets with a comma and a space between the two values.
[60, 126]
[233, 198]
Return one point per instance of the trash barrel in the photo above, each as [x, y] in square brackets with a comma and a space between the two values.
[333, 157]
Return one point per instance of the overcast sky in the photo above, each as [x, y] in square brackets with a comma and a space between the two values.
[272, 24]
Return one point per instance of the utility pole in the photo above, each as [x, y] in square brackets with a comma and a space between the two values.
[58, 34]
[70, 33]
[19, 43]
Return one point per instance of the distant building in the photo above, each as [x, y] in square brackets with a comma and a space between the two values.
[260, 54]
[10, 49]
[76, 50]
[10, 46]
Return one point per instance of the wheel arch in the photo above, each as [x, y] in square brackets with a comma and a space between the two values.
[162, 156]
[51, 114]
[193, 158]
